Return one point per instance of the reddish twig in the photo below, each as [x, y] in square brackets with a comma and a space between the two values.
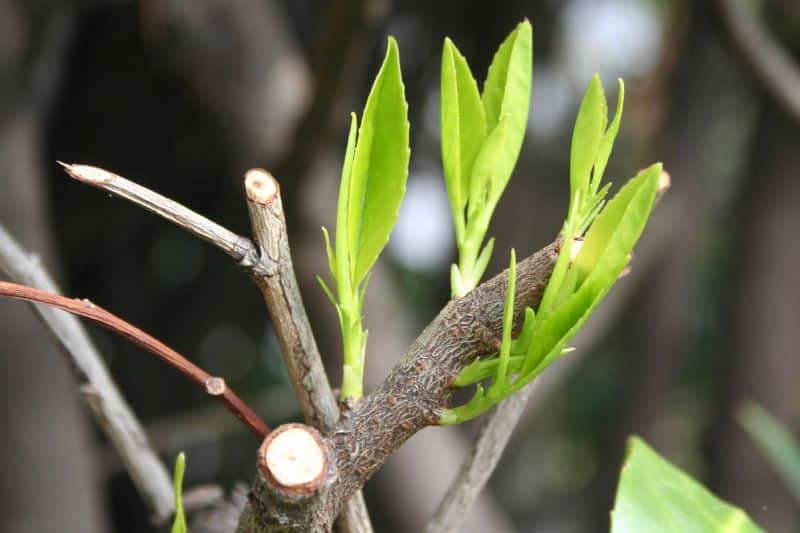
[213, 385]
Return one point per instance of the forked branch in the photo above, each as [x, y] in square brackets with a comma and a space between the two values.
[269, 264]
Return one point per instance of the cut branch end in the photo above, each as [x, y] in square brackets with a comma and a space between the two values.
[88, 173]
[294, 459]
[261, 187]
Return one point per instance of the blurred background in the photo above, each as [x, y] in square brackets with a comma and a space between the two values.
[184, 96]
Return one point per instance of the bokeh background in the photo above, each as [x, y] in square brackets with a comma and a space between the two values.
[184, 96]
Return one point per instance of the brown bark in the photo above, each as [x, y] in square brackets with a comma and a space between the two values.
[413, 396]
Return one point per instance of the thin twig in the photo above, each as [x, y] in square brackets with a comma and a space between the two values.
[236, 246]
[276, 279]
[478, 466]
[271, 268]
[213, 385]
[773, 65]
[97, 388]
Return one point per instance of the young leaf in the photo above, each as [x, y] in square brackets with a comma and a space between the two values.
[655, 496]
[603, 255]
[507, 90]
[496, 390]
[607, 142]
[463, 128]
[343, 258]
[618, 226]
[380, 167]
[179, 524]
[586, 138]
[506, 101]
[775, 443]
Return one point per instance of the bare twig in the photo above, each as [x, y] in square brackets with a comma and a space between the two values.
[270, 266]
[213, 385]
[413, 396]
[96, 386]
[275, 276]
[236, 246]
[773, 65]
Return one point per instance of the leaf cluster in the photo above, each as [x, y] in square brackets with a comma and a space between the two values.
[373, 183]
[482, 136]
[586, 269]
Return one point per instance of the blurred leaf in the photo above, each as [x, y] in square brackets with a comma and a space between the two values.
[656, 497]
[179, 524]
[775, 443]
[463, 128]
[380, 167]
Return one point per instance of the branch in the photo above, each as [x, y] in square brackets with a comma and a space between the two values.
[213, 385]
[411, 398]
[96, 387]
[270, 266]
[772, 64]
[492, 439]
[478, 466]
[275, 276]
[240, 248]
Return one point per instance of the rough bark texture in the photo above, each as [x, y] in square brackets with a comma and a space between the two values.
[413, 395]
[275, 276]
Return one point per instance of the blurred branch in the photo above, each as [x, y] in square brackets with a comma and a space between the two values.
[478, 466]
[344, 30]
[773, 65]
[276, 278]
[213, 385]
[96, 387]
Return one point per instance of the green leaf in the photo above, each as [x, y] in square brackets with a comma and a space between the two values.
[775, 443]
[179, 524]
[602, 257]
[586, 138]
[495, 391]
[341, 269]
[656, 497]
[563, 322]
[506, 101]
[463, 128]
[507, 90]
[607, 142]
[619, 225]
[380, 167]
